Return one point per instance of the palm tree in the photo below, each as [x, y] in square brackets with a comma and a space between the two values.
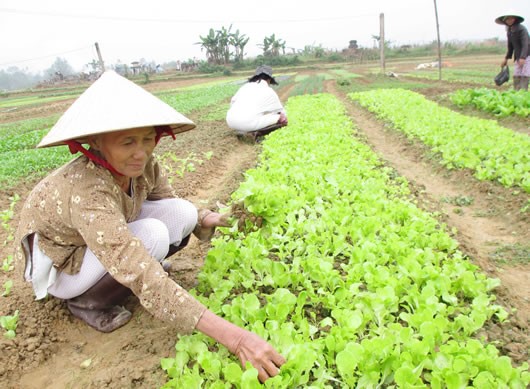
[211, 45]
[218, 45]
[239, 42]
[272, 46]
[223, 42]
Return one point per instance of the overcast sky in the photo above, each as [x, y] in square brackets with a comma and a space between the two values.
[33, 33]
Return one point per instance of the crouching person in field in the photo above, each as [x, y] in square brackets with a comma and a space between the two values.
[256, 110]
[97, 229]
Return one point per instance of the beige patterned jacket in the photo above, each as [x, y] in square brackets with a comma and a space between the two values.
[80, 205]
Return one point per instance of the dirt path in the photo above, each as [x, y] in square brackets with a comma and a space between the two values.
[52, 349]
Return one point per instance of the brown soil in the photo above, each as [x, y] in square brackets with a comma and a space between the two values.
[53, 349]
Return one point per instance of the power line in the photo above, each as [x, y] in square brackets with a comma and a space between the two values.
[185, 20]
[46, 56]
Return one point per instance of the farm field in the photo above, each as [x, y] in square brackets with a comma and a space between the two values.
[489, 220]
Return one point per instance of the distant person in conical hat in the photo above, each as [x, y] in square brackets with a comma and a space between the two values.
[98, 229]
[256, 109]
[518, 48]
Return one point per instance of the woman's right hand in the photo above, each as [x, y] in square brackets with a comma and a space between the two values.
[504, 62]
[251, 348]
[246, 345]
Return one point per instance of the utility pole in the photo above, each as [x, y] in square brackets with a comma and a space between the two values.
[382, 40]
[101, 63]
[439, 43]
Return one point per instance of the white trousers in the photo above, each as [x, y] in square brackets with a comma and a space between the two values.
[160, 223]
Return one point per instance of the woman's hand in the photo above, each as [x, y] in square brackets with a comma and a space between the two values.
[245, 344]
[260, 354]
[521, 62]
[283, 119]
[504, 62]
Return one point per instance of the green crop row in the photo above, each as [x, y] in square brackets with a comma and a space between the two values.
[499, 103]
[346, 278]
[310, 85]
[473, 76]
[196, 98]
[20, 127]
[491, 151]
[34, 100]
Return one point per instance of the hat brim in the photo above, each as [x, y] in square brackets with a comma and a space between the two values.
[84, 139]
[272, 79]
[500, 19]
[113, 103]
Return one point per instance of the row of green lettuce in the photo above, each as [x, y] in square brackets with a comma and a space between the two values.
[346, 277]
[491, 151]
[499, 103]
[480, 76]
[20, 159]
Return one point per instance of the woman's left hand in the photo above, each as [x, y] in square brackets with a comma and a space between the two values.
[283, 119]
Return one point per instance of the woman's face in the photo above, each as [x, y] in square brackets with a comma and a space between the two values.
[509, 20]
[128, 150]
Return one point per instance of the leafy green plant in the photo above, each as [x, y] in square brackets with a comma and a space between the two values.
[499, 103]
[7, 263]
[9, 323]
[8, 285]
[6, 216]
[458, 200]
[180, 166]
[512, 253]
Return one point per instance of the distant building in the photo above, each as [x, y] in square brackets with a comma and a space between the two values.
[136, 67]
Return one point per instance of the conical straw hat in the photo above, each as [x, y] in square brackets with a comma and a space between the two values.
[113, 103]
[511, 12]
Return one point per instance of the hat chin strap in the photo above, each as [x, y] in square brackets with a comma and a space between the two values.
[161, 130]
[74, 147]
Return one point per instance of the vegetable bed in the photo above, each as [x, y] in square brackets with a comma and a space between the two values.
[349, 280]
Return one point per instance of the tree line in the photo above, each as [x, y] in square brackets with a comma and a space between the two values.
[224, 46]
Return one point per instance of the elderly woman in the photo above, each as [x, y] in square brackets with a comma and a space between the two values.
[96, 230]
[256, 109]
[518, 48]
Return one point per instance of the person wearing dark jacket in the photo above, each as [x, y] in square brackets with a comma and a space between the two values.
[518, 48]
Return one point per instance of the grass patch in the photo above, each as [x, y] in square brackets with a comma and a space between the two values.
[460, 201]
[33, 100]
[472, 76]
[217, 113]
[24, 126]
[379, 82]
[309, 85]
[512, 254]
[30, 164]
